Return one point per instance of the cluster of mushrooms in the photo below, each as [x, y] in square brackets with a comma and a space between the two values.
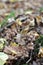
[18, 35]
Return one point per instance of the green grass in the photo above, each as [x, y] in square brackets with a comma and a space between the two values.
[4, 22]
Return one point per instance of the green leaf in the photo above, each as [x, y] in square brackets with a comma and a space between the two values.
[37, 42]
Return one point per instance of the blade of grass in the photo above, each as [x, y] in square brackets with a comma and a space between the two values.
[12, 14]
